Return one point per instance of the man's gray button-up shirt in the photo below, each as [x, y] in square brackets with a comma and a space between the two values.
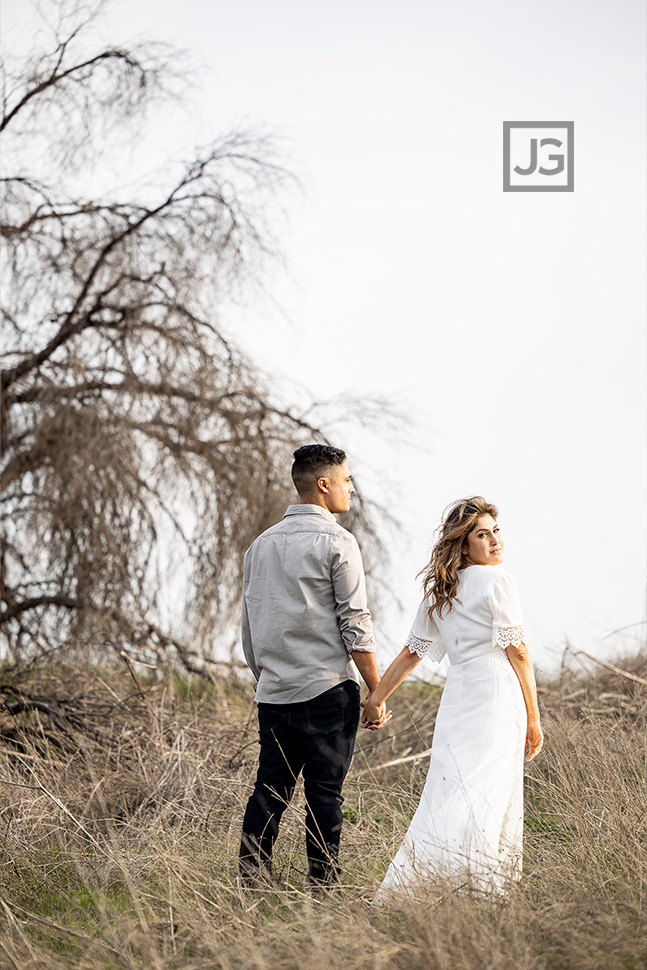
[304, 606]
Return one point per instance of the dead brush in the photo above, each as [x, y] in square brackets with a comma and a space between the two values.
[120, 808]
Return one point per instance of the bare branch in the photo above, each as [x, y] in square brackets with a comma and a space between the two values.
[142, 450]
[78, 72]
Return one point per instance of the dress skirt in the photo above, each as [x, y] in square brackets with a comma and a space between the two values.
[469, 824]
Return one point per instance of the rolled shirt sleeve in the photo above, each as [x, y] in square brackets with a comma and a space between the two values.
[349, 586]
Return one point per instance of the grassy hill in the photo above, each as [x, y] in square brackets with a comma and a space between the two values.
[121, 800]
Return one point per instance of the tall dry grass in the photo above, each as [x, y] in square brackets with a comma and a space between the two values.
[120, 810]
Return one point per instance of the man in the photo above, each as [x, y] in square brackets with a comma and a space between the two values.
[306, 629]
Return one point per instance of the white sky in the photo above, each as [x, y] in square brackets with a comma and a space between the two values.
[510, 327]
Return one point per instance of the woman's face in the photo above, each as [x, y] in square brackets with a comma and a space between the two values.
[484, 545]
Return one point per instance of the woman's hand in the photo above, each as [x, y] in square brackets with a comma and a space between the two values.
[534, 739]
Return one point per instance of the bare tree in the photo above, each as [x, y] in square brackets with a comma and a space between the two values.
[136, 437]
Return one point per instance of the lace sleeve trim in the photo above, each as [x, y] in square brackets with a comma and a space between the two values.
[433, 649]
[508, 636]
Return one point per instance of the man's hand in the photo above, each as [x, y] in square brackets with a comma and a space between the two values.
[374, 716]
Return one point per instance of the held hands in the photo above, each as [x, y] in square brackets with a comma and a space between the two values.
[534, 739]
[374, 716]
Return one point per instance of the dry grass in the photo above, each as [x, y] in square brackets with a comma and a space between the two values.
[120, 810]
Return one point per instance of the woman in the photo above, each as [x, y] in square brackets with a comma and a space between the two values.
[468, 826]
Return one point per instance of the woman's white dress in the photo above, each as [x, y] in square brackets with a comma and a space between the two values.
[468, 826]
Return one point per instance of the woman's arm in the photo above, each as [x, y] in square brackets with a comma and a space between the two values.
[518, 657]
[395, 673]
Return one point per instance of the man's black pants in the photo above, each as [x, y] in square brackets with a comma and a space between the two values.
[315, 737]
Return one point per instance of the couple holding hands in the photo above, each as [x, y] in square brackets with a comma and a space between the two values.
[306, 632]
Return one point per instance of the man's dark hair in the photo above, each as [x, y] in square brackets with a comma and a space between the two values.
[310, 462]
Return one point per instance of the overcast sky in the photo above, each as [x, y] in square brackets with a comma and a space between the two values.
[509, 327]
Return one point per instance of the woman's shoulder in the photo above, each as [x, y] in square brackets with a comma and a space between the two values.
[485, 577]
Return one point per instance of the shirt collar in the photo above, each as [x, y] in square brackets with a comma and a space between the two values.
[306, 509]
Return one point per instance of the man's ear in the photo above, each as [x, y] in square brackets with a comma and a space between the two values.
[322, 483]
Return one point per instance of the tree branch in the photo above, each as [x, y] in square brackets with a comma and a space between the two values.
[55, 78]
[14, 609]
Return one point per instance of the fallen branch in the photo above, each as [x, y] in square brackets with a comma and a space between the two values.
[616, 670]
[396, 761]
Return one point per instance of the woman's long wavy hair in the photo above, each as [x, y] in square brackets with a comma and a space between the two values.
[440, 575]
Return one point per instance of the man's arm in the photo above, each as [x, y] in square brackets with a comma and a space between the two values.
[248, 650]
[367, 666]
[349, 587]
[353, 615]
